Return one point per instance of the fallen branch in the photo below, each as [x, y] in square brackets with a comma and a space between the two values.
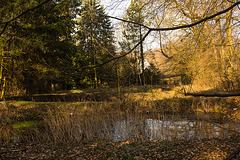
[212, 94]
[171, 76]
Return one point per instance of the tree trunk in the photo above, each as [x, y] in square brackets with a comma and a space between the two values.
[93, 46]
[142, 57]
[2, 81]
[3, 88]
[229, 41]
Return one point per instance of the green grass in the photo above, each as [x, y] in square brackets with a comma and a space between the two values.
[26, 124]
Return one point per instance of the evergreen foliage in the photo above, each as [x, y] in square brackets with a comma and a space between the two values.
[38, 45]
[95, 42]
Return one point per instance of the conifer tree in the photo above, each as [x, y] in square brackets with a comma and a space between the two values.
[38, 45]
[132, 34]
[94, 38]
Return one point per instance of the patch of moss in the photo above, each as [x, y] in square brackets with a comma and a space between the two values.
[26, 124]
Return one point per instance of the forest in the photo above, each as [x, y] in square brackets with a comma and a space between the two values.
[73, 71]
[73, 44]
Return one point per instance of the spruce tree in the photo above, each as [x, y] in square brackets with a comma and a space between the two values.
[94, 39]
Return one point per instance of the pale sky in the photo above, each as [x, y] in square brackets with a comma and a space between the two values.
[117, 8]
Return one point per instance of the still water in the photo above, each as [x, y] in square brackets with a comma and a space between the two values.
[139, 128]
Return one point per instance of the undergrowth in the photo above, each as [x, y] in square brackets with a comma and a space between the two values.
[64, 122]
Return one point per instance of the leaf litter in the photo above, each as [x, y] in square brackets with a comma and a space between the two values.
[177, 149]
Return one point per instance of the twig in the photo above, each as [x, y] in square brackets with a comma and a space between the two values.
[127, 21]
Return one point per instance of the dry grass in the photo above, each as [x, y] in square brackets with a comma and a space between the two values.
[63, 122]
[73, 123]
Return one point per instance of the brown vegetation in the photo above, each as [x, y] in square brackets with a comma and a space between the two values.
[73, 129]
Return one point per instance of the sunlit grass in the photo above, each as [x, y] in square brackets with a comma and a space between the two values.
[64, 121]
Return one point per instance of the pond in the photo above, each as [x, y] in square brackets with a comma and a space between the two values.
[135, 127]
[166, 128]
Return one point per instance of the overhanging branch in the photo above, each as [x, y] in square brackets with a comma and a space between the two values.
[21, 14]
[26, 11]
[127, 21]
[159, 29]
[115, 58]
[198, 22]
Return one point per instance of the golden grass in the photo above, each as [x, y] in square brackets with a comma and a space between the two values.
[75, 121]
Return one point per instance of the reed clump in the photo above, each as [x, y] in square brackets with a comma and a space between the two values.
[70, 122]
[89, 122]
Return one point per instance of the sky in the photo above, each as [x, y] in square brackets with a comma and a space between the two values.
[117, 8]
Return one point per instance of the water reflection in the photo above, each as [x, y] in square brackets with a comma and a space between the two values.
[160, 129]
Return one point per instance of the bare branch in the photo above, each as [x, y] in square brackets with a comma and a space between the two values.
[163, 53]
[198, 22]
[115, 58]
[159, 29]
[123, 20]
[183, 26]
[4, 28]
[21, 14]
[26, 11]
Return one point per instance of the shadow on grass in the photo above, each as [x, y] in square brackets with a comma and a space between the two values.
[93, 95]
[81, 97]
[214, 93]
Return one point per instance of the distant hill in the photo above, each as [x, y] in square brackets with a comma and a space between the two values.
[161, 62]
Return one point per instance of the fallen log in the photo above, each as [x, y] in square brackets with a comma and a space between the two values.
[212, 94]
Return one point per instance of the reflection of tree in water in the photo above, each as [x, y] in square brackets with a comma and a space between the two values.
[128, 129]
[154, 129]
